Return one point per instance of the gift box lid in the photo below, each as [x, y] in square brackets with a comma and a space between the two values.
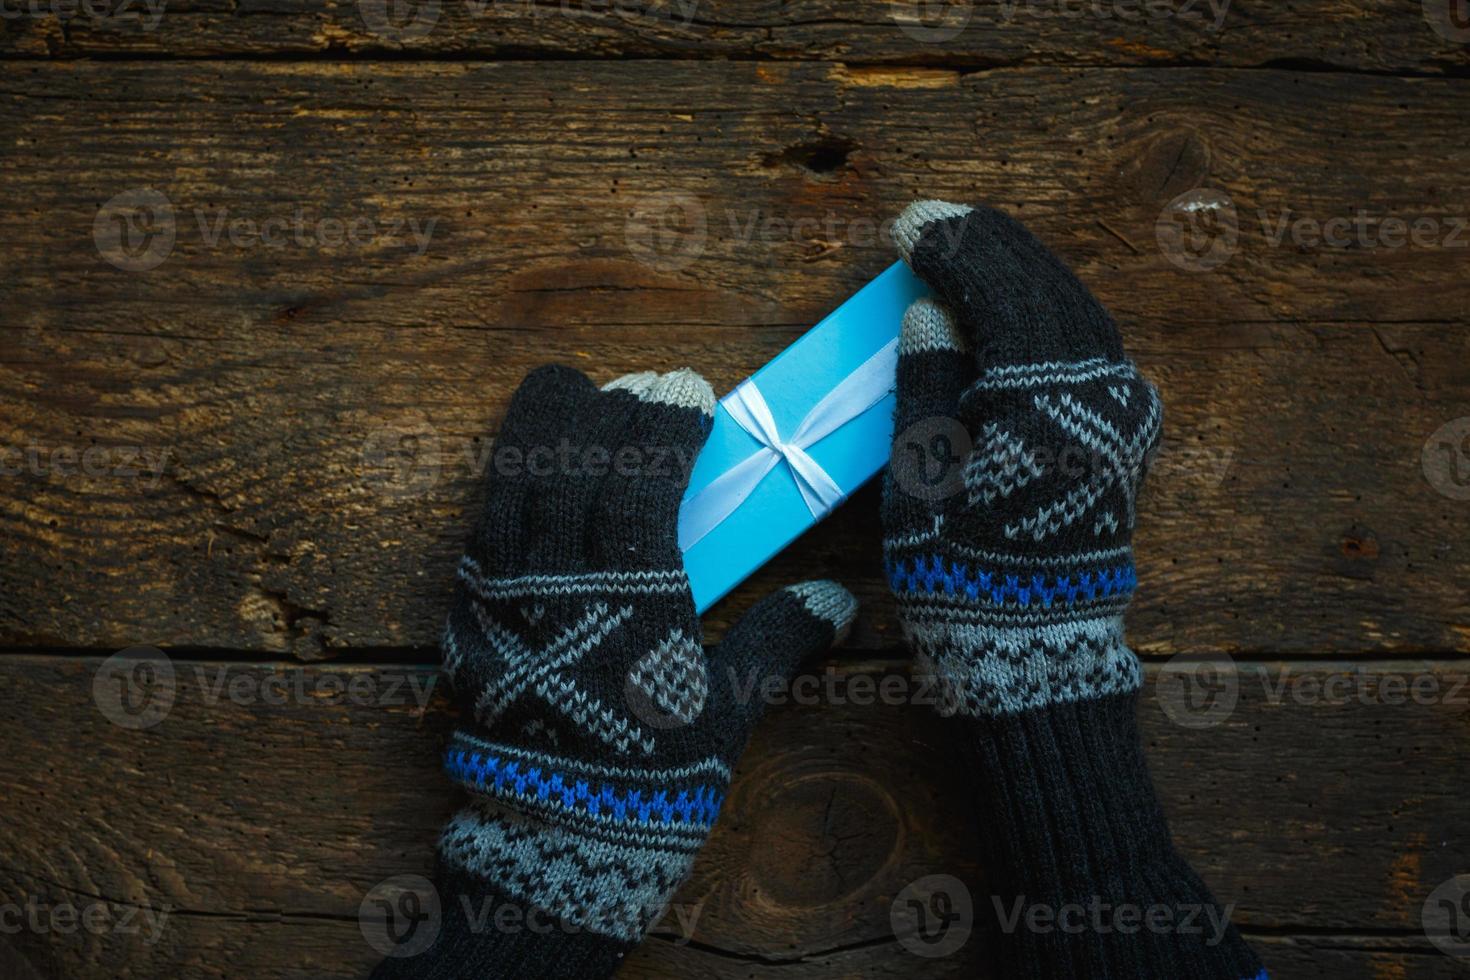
[858, 337]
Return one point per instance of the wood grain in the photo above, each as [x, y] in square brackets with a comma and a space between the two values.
[1367, 35]
[1355, 958]
[258, 454]
[260, 817]
[325, 410]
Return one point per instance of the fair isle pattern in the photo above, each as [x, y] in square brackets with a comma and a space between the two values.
[547, 674]
[646, 582]
[981, 669]
[930, 540]
[1119, 455]
[1014, 596]
[933, 574]
[1017, 377]
[613, 885]
[930, 609]
[672, 676]
[602, 797]
[1088, 415]
[709, 768]
[525, 668]
[998, 467]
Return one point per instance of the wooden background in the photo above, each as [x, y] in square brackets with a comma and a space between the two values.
[321, 408]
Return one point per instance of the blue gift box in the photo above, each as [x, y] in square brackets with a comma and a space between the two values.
[772, 495]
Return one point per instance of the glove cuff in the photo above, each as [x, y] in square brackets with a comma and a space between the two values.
[484, 932]
[1075, 831]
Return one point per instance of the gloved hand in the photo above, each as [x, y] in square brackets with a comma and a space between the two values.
[1020, 442]
[598, 734]
[1014, 571]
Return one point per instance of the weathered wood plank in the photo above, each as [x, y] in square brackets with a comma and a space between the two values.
[262, 817]
[1356, 958]
[1368, 35]
[1301, 381]
[286, 948]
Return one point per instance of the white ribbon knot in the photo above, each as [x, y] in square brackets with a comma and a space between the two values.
[865, 387]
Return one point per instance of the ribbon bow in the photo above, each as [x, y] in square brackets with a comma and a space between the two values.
[855, 394]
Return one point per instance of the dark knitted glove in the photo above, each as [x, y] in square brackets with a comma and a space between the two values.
[598, 735]
[1021, 439]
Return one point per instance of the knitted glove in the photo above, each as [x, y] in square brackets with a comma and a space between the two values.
[599, 737]
[1021, 439]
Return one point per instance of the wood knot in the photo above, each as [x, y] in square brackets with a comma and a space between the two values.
[821, 157]
[824, 835]
[1358, 544]
[1360, 555]
[1164, 166]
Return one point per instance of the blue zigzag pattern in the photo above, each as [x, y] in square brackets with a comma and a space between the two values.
[487, 772]
[930, 574]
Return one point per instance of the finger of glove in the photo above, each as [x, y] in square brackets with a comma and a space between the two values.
[1015, 300]
[929, 443]
[637, 510]
[539, 415]
[570, 478]
[763, 649]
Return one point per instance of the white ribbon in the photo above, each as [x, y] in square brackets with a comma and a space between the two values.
[855, 394]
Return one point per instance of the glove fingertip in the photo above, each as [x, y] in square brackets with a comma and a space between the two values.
[929, 326]
[684, 388]
[916, 219]
[791, 624]
[829, 602]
